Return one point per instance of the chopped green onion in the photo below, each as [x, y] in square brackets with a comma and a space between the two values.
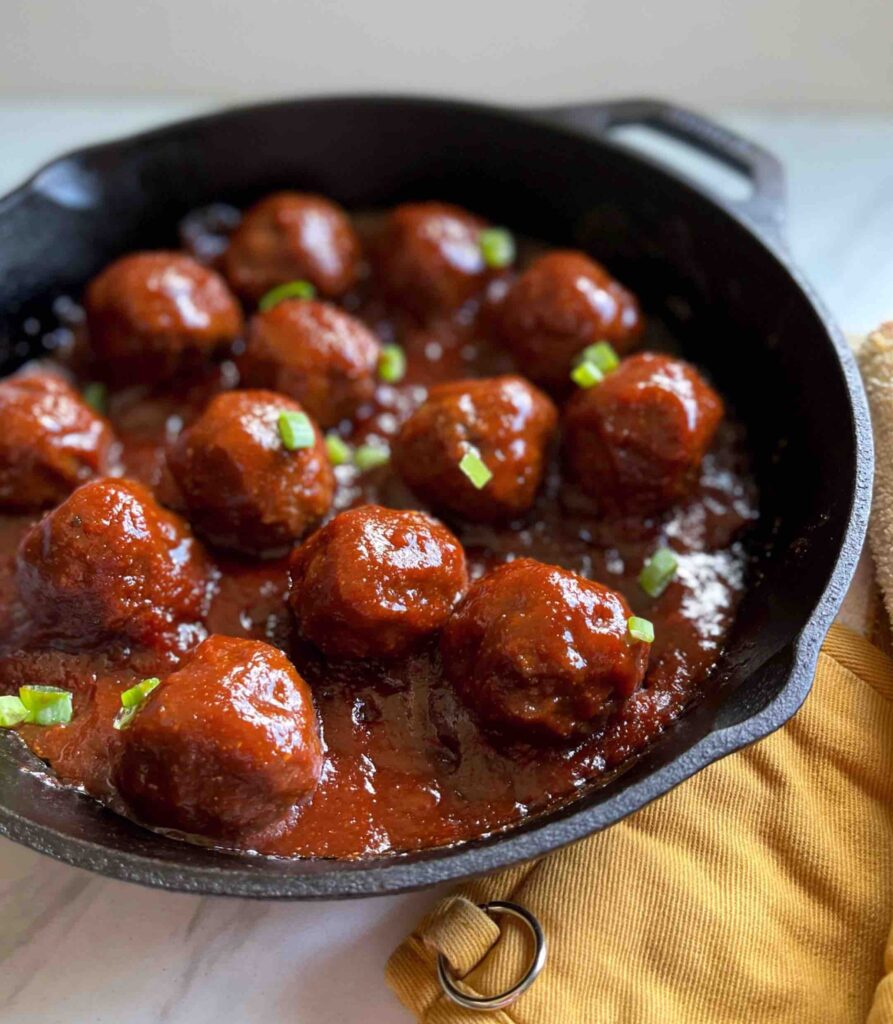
[474, 467]
[296, 430]
[658, 571]
[497, 247]
[392, 364]
[57, 713]
[586, 375]
[371, 456]
[339, 450]
[95, 394]
[289, 290]
[12, 711]
[640, 629]
[135, 696]
[602, 355]
[46, 705]
[132, 700]
[36, 705]
[124, 717]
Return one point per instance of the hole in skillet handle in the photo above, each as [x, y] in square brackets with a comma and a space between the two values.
[741, 176]
[731, 184]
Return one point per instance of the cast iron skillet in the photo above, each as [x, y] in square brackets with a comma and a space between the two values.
[717, 273]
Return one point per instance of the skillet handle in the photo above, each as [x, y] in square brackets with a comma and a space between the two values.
[765, 205]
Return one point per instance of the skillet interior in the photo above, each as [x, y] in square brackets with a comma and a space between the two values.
[716, 283]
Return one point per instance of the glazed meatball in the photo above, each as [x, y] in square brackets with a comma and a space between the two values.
[541, 653]
[154, 315]
[635, 442]
[50, 442]
[563, 302]
[374, 582]
[506, 421]
[292, 236]
[429, 257]
[314, 352]
[226, 744]
[110, 564]
[244, 490]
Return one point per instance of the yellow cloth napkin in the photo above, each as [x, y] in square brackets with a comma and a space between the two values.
[876, 363]
[761, 890]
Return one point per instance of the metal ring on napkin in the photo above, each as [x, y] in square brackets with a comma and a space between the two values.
[506, 998]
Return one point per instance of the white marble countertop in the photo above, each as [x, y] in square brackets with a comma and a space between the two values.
[80, 949]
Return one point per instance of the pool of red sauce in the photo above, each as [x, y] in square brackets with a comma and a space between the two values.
[406, 765]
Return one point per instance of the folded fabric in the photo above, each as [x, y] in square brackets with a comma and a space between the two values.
[760, 890]
[876, 363]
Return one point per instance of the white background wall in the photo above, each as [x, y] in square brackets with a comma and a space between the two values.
[780, 54]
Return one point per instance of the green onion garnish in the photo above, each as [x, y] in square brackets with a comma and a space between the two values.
[371, 456]
[392, 364]
[602, 355]
[339, 450]
[640, 629]
[132, 700]
[474, 467]
[12, 712]
[135, 696]
[289, 290]
[658, 571]
[296, 430]
[586, 375]
[497, 247]
[95, 394]
[46, 705]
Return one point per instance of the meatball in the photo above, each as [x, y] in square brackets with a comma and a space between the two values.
[563, 302]
[635, 441]
[505, 421]
[314, 352]
[374, 582]
[244, 490]
[110, 564]
[153, 315]
[51, 441]
[541, 653]
[429, 257]
[292, 236]
[226, 744]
